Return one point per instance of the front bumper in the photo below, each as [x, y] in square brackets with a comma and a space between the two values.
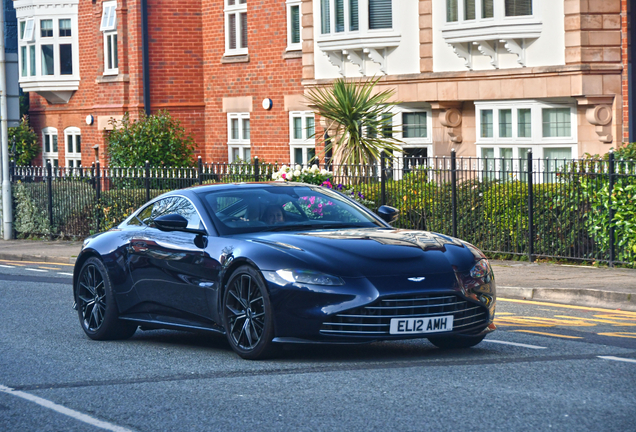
[362, 309]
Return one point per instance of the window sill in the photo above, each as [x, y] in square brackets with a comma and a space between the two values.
[292, 54]
[112, 78]
[243, 58]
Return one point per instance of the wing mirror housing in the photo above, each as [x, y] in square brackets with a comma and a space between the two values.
[175, 222]
[388, 214]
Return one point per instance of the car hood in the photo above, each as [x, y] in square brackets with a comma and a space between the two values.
[373, 252]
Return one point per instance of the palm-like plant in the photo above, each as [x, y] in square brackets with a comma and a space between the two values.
[359, 119]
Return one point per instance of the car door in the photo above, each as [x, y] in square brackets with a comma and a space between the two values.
[171, 275]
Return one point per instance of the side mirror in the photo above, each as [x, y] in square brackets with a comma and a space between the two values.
[171, 222]
[388, 214]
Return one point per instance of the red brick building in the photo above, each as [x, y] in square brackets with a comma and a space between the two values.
[492, 78]
[82, 64]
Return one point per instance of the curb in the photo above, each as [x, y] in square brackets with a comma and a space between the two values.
[573, 296]
[38, 258]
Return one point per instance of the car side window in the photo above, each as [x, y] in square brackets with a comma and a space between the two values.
[171, 205]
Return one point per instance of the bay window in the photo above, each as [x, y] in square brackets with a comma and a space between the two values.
[48, 48]
[482, 26]
[339, 16]
[360, 32]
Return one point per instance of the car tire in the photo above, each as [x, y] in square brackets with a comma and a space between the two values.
[96, 304]
[248, 315]
[455, 342]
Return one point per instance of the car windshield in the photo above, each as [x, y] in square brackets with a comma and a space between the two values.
[283, 208]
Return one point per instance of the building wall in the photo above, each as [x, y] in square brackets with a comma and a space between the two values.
[267, 72]
[577, 59]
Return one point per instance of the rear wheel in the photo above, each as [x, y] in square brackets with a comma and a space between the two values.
[96, 305]
[247, 315]
[455, 342]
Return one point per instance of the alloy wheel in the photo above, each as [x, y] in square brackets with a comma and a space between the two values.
[245, 312]
[92, 298]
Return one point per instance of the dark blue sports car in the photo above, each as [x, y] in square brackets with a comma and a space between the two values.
[274, 263]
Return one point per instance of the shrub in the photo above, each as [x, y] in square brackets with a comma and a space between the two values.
[31, 217]
[158, 138]
[26, 142]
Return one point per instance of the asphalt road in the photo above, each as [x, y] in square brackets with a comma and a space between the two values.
[547, 367]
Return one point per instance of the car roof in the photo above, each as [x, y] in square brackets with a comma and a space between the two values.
[244, 185]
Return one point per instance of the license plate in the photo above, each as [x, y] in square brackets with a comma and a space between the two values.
[421, 325]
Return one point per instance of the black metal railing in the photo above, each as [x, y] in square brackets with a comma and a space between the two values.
[575, 209]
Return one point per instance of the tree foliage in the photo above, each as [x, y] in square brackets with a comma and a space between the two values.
[359, 118]
[158, 138]
[26, 142]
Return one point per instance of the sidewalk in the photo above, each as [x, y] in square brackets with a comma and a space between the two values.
[569, 284]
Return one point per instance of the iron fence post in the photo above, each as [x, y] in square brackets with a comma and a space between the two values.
[454, 190]
[382, 178]
[98, 190]
[11, 170]
[530, 210]
[147, 178]
[49, 192]
[200, 167]
[611, 173]
[256, 170]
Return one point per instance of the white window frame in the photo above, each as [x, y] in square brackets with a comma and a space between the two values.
[51, 155]
[517, 159]
[537, 143]
[411, 143]
[29, 30]
[363, 21]
[236, 9]
[108, 27]
[493, 28]
[536, 115]
[72, 158]
[306, 142]
[417, 141]
[33, 39]
[294, 46]
[241, 144]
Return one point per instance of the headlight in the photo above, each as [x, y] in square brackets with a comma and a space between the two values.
[478, 279]
[302, 276]
[480, 270]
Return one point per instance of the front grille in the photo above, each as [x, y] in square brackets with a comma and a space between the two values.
[375, 319]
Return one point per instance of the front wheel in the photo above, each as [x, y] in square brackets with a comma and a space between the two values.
[96, 304]
[247, 315]
[455, 342]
